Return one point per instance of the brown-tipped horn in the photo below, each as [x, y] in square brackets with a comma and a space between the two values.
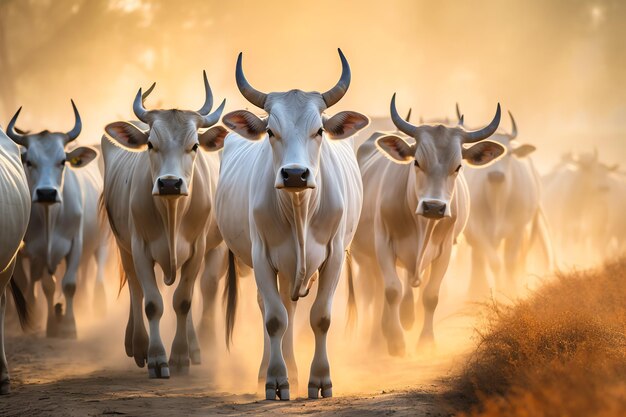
[408, 115]
[513, 126]
[17, 137]
[78, 124]
[251, 94]
[210, 119]
[335, 94]
[402, 125]
[138, 108]
[459, 116]
[208, 97]
[490, 129]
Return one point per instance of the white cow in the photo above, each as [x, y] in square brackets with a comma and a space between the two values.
[64, 215]
[14, 214]
[582, 225]
[505, 210]
[415, 205]
[158, 193]
[288, 203]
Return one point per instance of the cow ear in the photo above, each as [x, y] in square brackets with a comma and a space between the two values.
[523, 150]
[396, 149]
[245, 124]
[483, 153]
[81, 156]
[127, 134]
[345, 124]
[213, 139]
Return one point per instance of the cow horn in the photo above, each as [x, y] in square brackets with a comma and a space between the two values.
[208, 97]
[145, 95]
[408, 115]
[251, 94]
[335, 94]
[210, 119]
[78, 125]
[459, 116]
[17, 137]
[138, 108]
[513, 126]
[485, 132]
[402, 125]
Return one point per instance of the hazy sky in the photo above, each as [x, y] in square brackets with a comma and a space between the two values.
[560, 66]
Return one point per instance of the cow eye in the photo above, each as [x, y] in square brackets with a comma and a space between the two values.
[458, 168]
[150, 146]
[195, 147]
[270, 133]
[62, 162]
[417, 163]
[319, 132]
[29, 164]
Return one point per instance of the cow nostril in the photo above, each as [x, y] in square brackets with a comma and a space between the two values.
[179, 183]
[160, 183]
[305, 175]
[285, 174]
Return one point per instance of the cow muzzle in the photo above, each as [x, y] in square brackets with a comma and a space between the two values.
[433, 209]
[170, 187]
[295, 178]
[496, 177]
[46, 196]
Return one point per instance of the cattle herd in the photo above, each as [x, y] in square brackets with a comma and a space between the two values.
[288, 196]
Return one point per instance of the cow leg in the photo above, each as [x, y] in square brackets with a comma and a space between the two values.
[275, 319]
[179, 357]
[512, 264]
[144, 267]
[99, 294]
[319, 380]
[136, 340]
[36, 273]
[48, 285]
[5, 276]
[215, 265]
[479, 287]
[265, 360]
[430, 295]
[288, 346]
[392, 329]
[72, 260]
[407, 305]
[195, 354]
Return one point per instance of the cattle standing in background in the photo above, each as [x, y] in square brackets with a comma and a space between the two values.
[288, 203]
[64, 209]
[505, 209]
[579, 201]
[14, 214]
[415, 205]
[159, 198]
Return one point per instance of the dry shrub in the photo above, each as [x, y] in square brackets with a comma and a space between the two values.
[561, 352]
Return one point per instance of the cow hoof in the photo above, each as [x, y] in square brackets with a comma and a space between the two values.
[195, 356]
[67, 331]
[396, 348]
[179, 365]
[282, 392]
[315, 388]
[426, 345]
[5, 387]
[159, 371]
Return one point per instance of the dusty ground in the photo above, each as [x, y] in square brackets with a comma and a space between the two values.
[52, 377]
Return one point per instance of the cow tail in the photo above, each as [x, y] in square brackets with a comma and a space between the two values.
[21, 306]
[230, 296]
[122, 272]
[351, 309]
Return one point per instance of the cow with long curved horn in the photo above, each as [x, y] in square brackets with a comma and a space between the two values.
[168, 178]
[63, 224]
[287, 203]
[415, 193]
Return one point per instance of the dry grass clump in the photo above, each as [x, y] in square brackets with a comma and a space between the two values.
[562, 352]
